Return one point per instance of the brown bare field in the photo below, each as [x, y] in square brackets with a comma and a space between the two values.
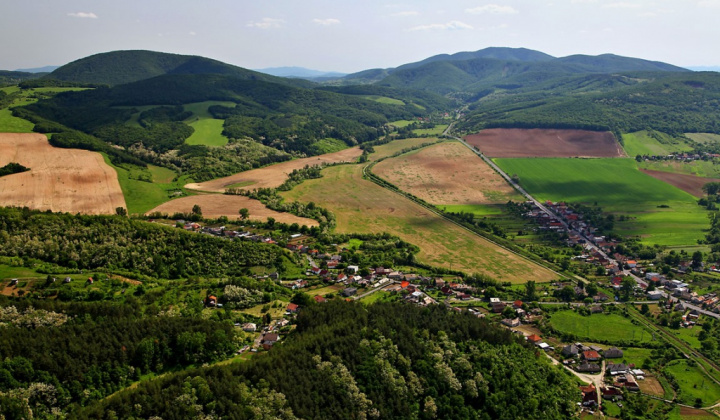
[363, 207]
[516, 143]
[63, 180]
[688, 413]
[216, 205]
[651, 386]
[447, 173]
[274, 175]
[689, 183]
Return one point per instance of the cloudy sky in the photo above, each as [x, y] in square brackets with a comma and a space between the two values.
[353, 35]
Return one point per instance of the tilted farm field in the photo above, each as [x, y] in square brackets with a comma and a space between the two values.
[364, 207]
[62, 180]
[618, 187]
[518, 143]
[274, 175]
[642, 143]
[446, 173]
[691, 184]
[216, 205]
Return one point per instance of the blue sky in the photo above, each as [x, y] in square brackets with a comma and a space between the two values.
[353, 35]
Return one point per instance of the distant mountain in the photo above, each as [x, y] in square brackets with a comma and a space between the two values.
[46, 69]
[704, 68]
[120, 67]
[499, 53]
[610, 63]
[14, 77]
[300, 72]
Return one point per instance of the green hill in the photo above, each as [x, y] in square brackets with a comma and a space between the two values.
[119, 67]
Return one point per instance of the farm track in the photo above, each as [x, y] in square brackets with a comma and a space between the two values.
[367, 174]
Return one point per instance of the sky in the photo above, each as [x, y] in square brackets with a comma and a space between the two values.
[353, 35]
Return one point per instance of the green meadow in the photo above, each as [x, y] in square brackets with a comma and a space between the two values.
[641, 143]
[208, 130]
[611, 327]
[384, 100]
[693, 383]
[704, 137]
[618, 187]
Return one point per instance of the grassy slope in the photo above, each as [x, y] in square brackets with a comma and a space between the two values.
[208, 131]
[693, 383]
[640, 143]
[617, 186]
[611, 327]
[361, 206]
[704, 137]
[701, 168]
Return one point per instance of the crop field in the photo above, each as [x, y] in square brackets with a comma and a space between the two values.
[704, 137]
[641, 143]
[517, 143]
[274, 175]
[693, 383]
[699, 168]
[435, 131]
[64, 180]
[397, 146]
[691, 184]
[610, 327]
[619, 187]
[650, 385]
[446, 173]
[216, 205]
[364, 207]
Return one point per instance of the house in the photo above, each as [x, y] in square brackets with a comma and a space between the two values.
[292, 308]
[570, 350]
[517, 304]
[13, 282]
[249, 327]
[319, 299]
[353, 269]
[589, 395]
[67, 280]
[349, 291]
[596, 309]
[600, 297]
[613, 353]
[269, 339]
[511, 322]
[332, 264]
[631, 263]
[588, 367]
[655, 295]
[611, 393]
[439, 282]
[211, 301]
[90, 280]
[534, 339]
[591, 355]
[404, 284]
[616, 369]
[497, 307]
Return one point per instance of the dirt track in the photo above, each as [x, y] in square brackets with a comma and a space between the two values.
[447, 173]
[274, 175]
[216, 205]
[63, 180]
[516, 143]
[689, 183]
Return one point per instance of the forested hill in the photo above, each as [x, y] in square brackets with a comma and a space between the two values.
[384, 361]
[119, 67]
[15, 77]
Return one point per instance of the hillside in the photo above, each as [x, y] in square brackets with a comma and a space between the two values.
[8, 78]
[119, 67]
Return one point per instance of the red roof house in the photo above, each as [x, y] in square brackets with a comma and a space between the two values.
[292, 307]
[591, 355]
[319, 299]
[534, 338]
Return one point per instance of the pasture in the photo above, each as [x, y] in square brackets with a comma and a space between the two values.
[62, 180]
[446, 173]
[642, 143]
[384, 100]
[699, 168]
[215, 205]
[618, 187]
[364, 207]
[611, 327]
[692, 383]
[518, 143]
[274, 175]
[208, 131]
[703, 137]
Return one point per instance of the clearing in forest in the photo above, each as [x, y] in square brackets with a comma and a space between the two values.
[216, 205]
[447, 173]
[363, 207]
[536, 142]
[61, 180]
[274, 175]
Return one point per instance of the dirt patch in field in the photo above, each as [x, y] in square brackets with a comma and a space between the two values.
[650, 385]
[446, 173]
[216, 205]
[274, 175]
[687, 412]
[689, 183]
[63, 180]
[517, 143]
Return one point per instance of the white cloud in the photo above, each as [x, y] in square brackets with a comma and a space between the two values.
[492, 8]
[621, 5]
[83, 15]
[709, 3]
[193, 33]
[267, 23]
[327, 22]
[406, 13]
[452, 25]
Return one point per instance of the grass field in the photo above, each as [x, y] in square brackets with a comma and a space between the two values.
[693, 383]
[208, 131]
[688, 335]
[637, 356]
[328, 145]
[701, 168]
[641, 143]
[435, 131]
[402, 123]
[610, 327]
[618, 187]
[396, 146]
[142, 196]
[10, 124]
[704, 137]
[362, 206]
[384, 100]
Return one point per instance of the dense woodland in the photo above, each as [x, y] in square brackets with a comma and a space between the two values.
[346, 360]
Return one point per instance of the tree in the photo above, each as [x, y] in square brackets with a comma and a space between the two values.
[270, 222]
[197, 210]
[244, 213]
[530, 291]
[508, 312]
[121, 211]
[591, 289]
[567, 293]
[627, 286]
[644, 308]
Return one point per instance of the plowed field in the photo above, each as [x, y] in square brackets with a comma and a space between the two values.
[689, 183]
[64, 180]
[515, 143]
